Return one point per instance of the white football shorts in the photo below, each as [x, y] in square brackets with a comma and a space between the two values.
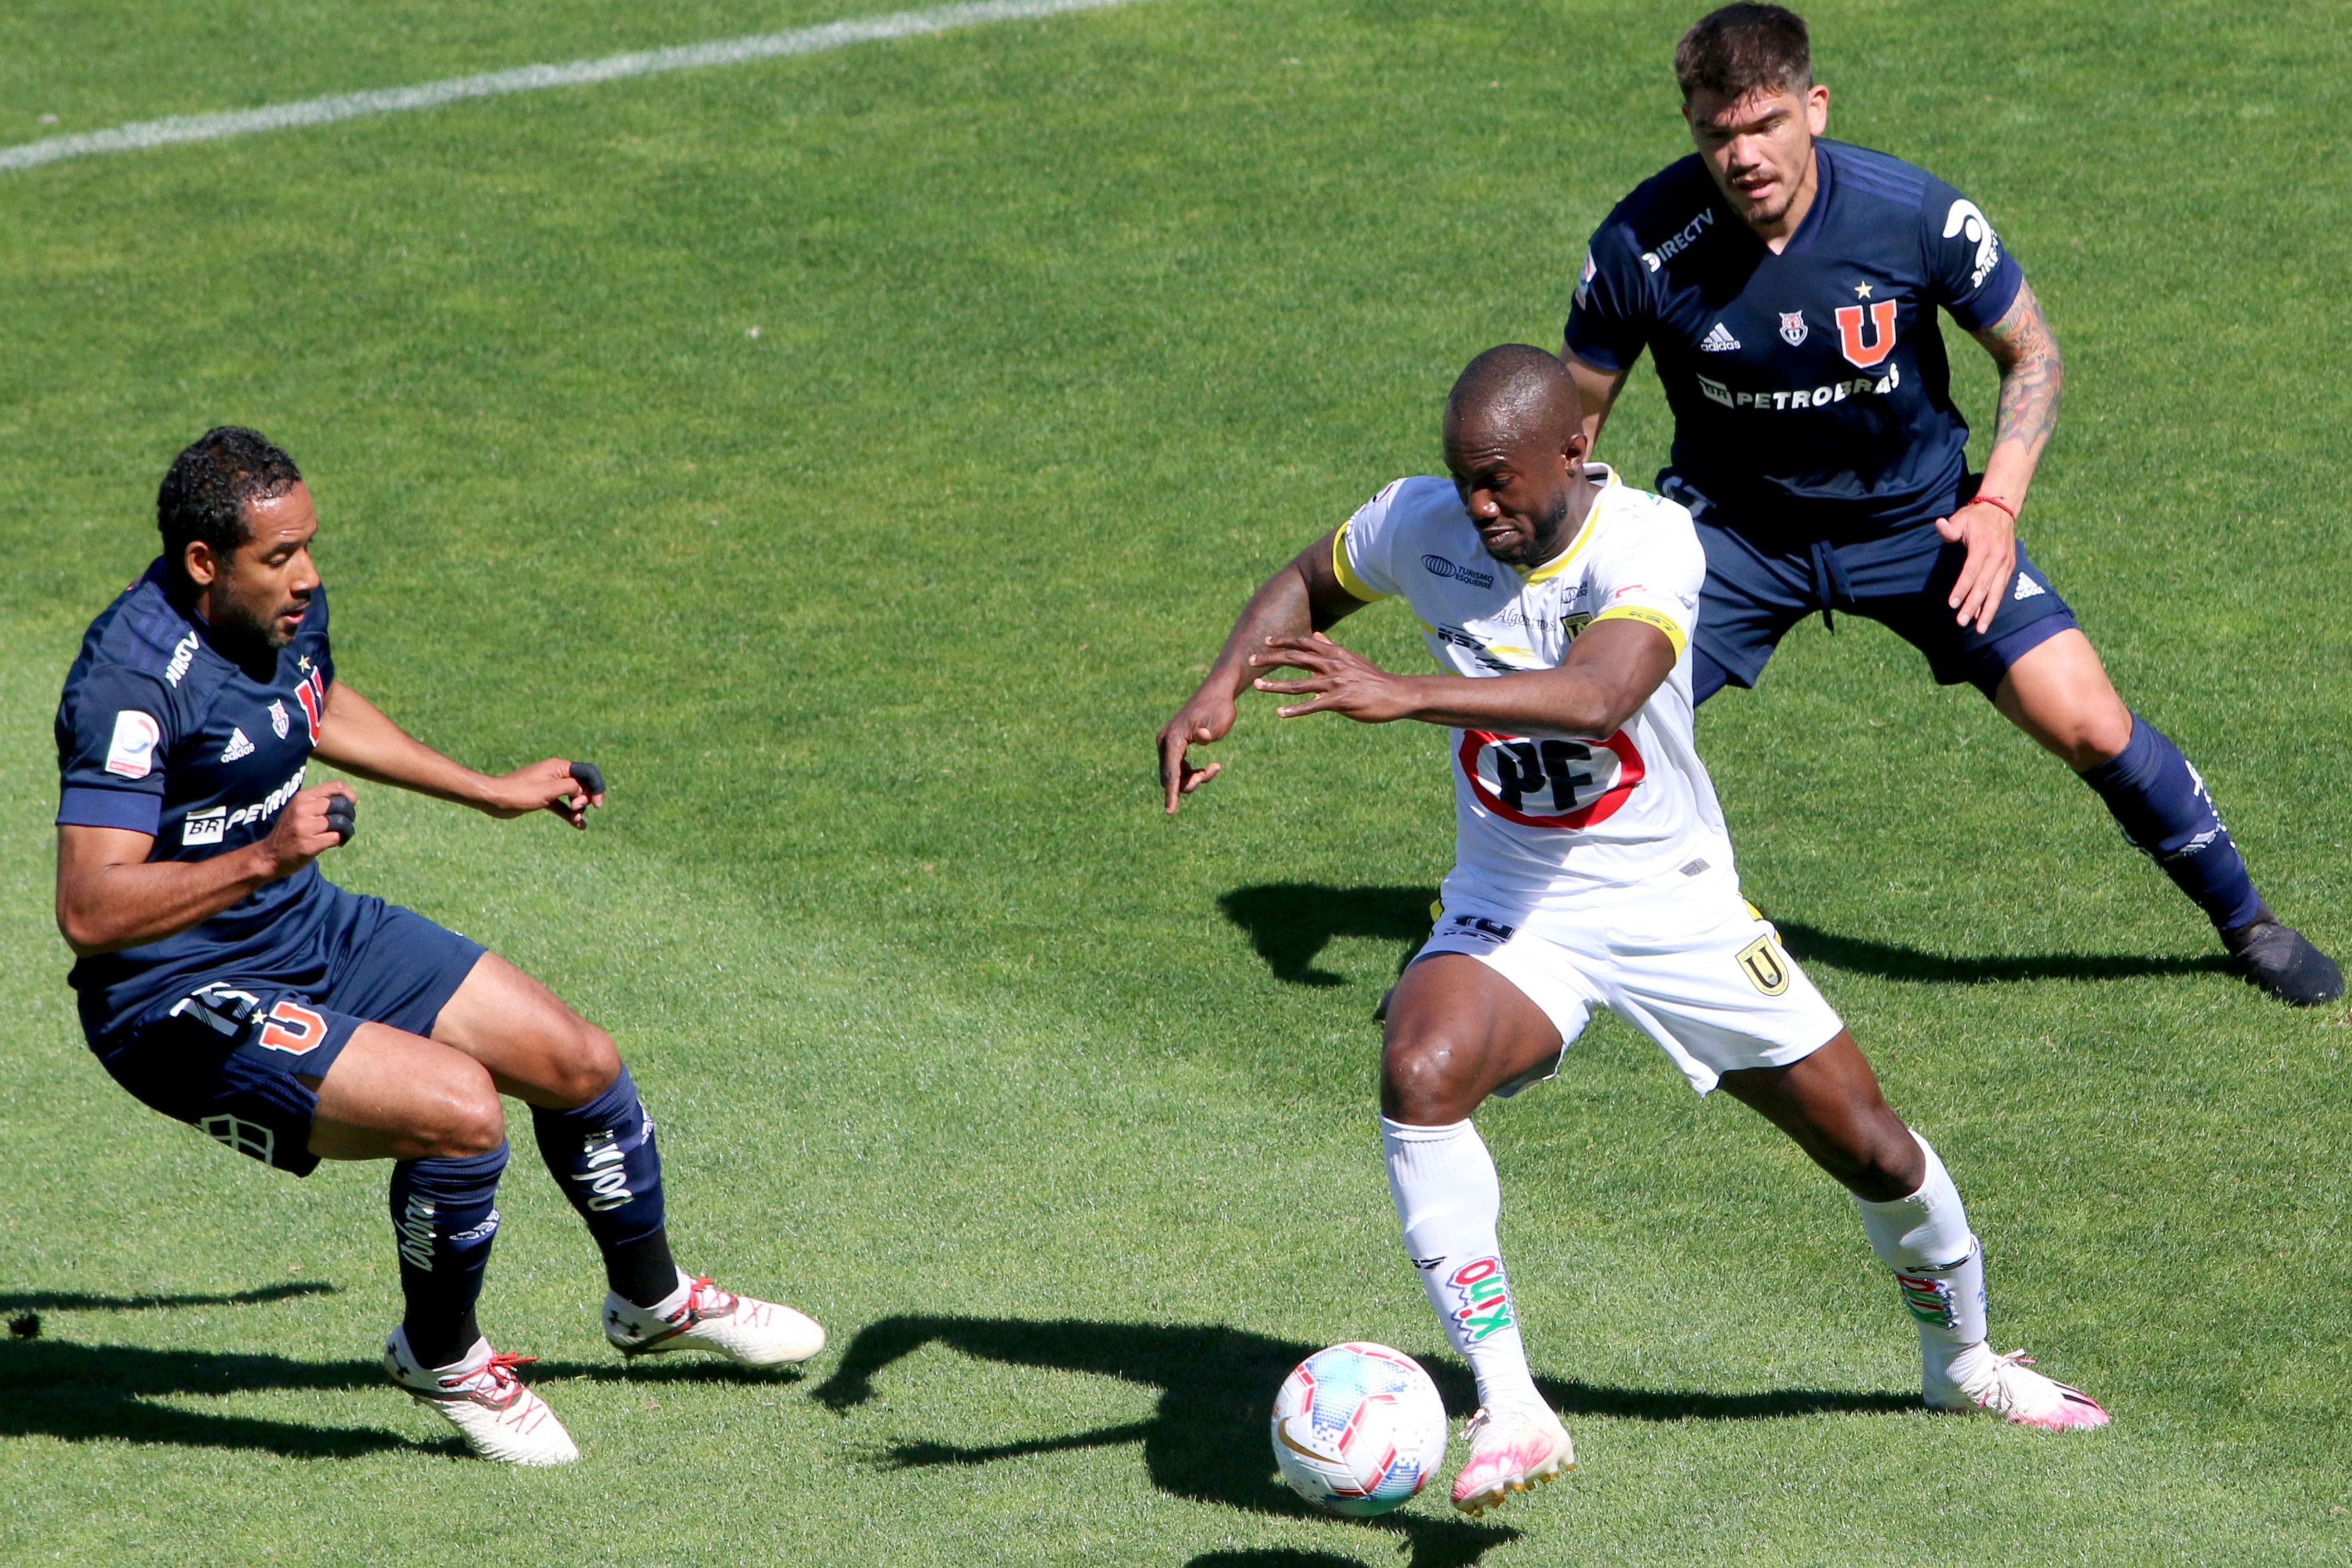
[1697, 969]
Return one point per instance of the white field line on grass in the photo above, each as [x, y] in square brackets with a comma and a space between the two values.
[533, 78]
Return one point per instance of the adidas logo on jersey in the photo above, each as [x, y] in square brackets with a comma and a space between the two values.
[1718, 341]
[237, 746]
[2027, 587]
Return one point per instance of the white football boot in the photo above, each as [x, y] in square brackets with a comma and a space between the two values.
[480, 1395]
[1513, 1448]
[2008, 1387]
[745, 1331]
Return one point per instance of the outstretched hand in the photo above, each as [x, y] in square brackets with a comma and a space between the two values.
[1206, 718]
[1337, 679]
[1991, 538]
[565, 787]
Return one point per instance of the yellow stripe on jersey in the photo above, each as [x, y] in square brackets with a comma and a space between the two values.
[1559, 563]
[1647, 617]
[1346, 573]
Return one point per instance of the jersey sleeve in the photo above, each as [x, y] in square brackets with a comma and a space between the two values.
[1969, 272]
[1653, 576]
[1609, 320]
[314, 628]
[113, 733]
[1361, 549]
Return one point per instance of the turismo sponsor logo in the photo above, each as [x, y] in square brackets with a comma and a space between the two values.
[1482, 1296]
[1438, 566]
[1801, 397]
[1682, 240]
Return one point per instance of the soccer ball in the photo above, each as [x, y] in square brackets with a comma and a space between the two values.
[1357, 1428]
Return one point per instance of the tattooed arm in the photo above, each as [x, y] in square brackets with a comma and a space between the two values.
[2031, 373]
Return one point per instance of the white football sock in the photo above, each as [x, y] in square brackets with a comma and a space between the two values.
[1448, 1199]
[1939, 1267]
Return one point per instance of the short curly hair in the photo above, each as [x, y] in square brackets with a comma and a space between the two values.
[1744, 48]
[204, 492]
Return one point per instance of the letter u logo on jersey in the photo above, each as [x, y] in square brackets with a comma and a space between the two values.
[1881, 327]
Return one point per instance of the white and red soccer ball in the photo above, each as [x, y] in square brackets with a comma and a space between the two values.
[1357, 1428]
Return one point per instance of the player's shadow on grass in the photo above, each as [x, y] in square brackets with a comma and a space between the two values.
[1893, 961]
[81, 1301]
[1290, 923]
[1207, 1441]
[111, 1393]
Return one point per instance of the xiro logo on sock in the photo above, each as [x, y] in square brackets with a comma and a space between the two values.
[604, 1172]
[1485, 1297]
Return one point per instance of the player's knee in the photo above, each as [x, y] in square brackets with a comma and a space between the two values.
[1885, 1163]
[1424, 1082]
[585, 1064]
[468, 1121]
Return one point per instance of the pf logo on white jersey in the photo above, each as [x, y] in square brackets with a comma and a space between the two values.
[1968, 221]
[1582, 782]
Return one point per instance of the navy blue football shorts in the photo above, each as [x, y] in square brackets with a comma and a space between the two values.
[1762, 582]
[228, 1056]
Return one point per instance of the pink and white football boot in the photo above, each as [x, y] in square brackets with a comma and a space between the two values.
[480, 1395]
[2008, 1387]
[1513, 1448]
[746, 1331]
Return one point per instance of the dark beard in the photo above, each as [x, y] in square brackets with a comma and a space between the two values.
[1548, 538]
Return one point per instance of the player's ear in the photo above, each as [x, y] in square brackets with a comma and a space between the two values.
[1817, 108]
[200, 563]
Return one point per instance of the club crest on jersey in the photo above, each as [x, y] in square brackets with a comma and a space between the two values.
[1792, 327]
[1865, 353]
[312, 694]
[278, 720]
[1583, 783]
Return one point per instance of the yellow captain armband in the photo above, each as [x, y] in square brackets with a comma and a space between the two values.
[1346, 573]
[1648, 617]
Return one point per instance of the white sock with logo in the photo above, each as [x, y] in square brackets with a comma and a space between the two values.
[1448, 1198]
[1939, 1267]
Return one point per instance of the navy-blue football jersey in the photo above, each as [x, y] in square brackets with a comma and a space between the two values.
[1810, 388]
[159, 733]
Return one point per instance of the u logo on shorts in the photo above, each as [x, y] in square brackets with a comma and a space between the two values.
[292, 1027]
[1765, 970]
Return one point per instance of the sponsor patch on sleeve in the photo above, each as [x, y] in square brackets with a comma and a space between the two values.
[1648, 617]
[132, 753]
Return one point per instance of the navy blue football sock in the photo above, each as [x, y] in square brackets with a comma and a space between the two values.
[603, 1157]
[2161, 805]
[444, 1218]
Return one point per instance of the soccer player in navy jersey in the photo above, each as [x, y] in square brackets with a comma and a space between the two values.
[224, 982]
[1786, 287]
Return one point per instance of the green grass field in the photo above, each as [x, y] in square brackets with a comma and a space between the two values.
[859, 455]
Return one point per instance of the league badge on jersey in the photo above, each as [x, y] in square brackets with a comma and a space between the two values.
[1792, 327]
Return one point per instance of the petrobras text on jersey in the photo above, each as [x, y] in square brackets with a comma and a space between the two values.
[1801, 397]
[211, 826]
[1678, 242]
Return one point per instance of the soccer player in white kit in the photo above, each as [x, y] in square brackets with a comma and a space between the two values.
[1593, 871]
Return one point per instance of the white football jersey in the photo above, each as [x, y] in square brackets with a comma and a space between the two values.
[1549, 822]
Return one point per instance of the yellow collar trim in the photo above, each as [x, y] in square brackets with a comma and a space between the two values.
[1559, 563]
